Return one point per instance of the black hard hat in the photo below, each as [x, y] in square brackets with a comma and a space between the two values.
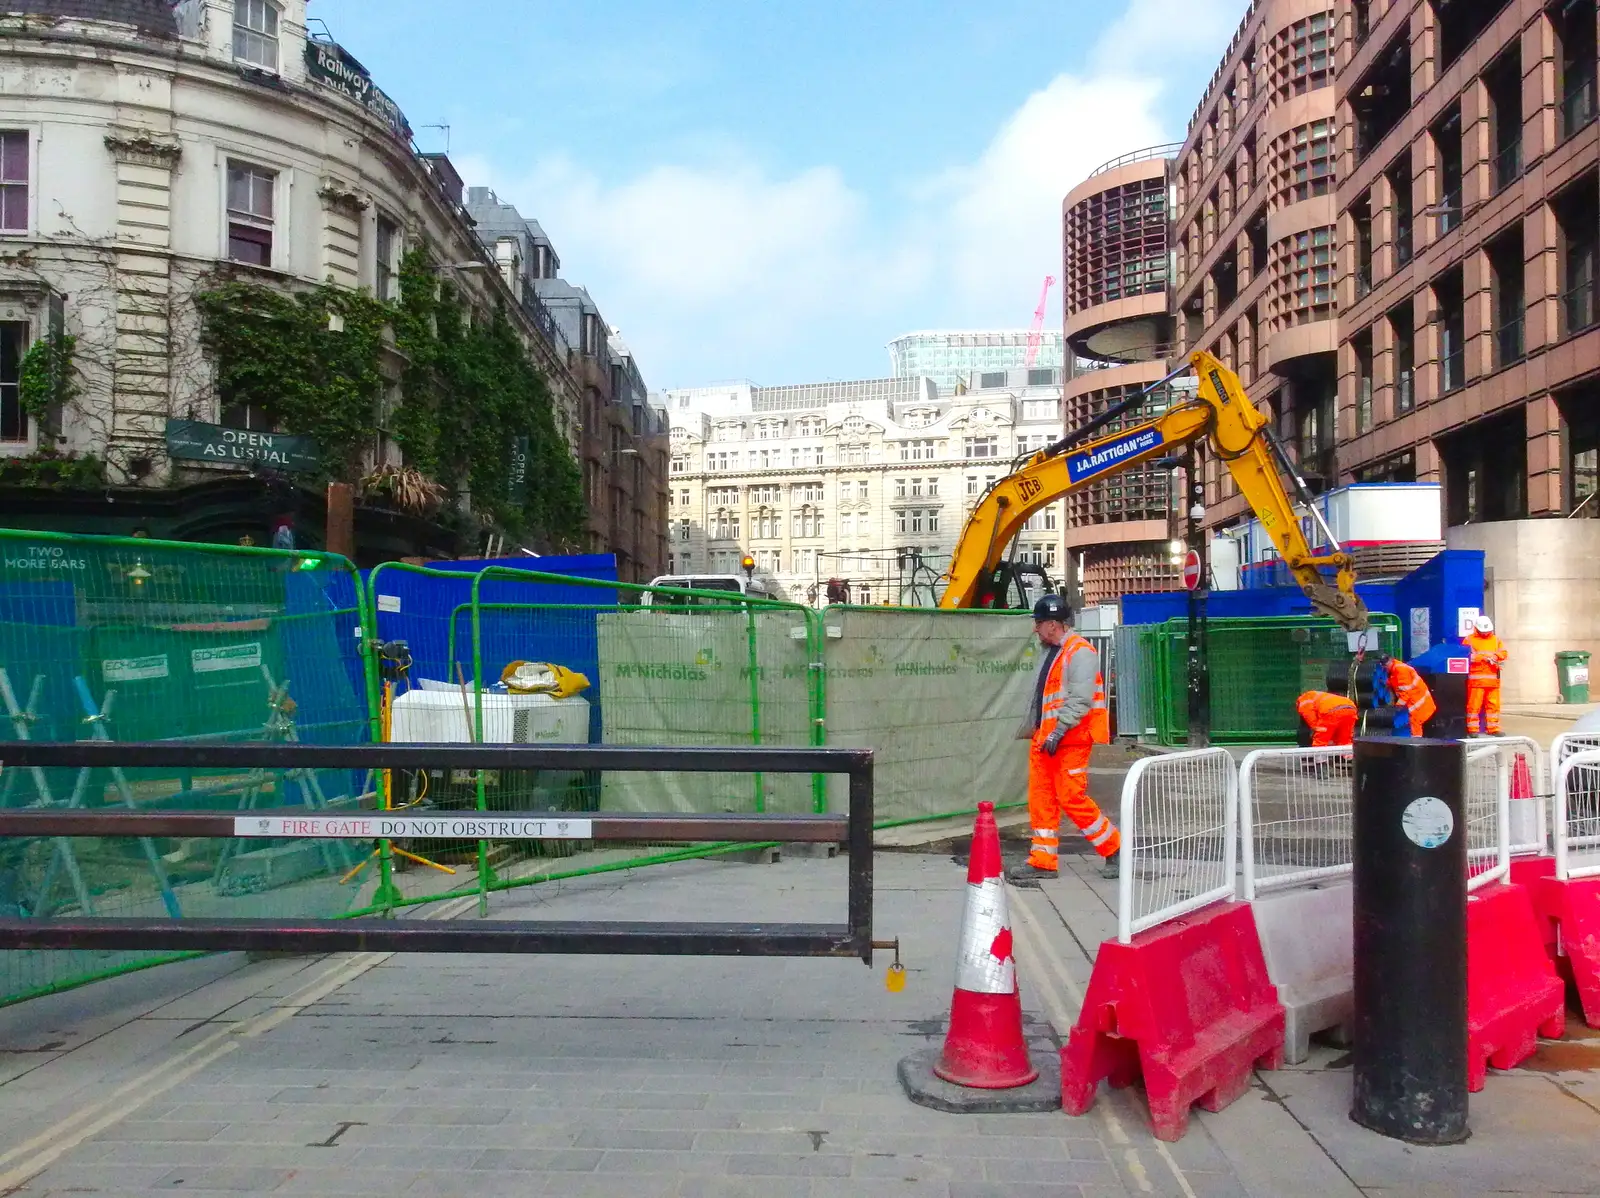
[1052, 607]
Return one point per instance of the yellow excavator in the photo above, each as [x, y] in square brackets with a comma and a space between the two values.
[1239, 436]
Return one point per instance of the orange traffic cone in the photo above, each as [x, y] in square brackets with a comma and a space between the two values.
[1521, 779]
[984, 1048]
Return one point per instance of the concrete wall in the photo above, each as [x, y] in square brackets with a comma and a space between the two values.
[1544, 596]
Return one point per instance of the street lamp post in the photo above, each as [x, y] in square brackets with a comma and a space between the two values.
[1199, 673]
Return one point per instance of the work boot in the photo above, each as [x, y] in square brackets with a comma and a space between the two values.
[1028, 875]
[1111, 867]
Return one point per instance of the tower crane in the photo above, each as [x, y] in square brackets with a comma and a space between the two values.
[1036, 333]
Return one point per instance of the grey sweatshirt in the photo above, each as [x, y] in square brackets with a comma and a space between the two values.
[1077, 690]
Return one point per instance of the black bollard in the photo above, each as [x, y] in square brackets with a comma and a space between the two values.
[1410, 907]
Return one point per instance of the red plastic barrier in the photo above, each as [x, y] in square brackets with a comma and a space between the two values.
[1528, 871]
[1572, 909]
[1513, 993]
[1189, 1006]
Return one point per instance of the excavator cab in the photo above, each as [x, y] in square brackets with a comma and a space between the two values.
[1014, 586]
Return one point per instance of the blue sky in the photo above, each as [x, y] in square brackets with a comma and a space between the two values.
[772, 189]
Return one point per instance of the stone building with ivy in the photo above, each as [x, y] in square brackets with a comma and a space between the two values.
[234, 292]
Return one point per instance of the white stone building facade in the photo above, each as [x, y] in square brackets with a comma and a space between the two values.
[159, 147]
[866, 482]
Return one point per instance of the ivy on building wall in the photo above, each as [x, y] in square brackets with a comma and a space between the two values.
[46, 377]
[279, 352]
[468, 390]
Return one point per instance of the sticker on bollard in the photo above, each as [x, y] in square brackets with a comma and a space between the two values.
[1513, 993]
[401, 827]
[1189, 1006]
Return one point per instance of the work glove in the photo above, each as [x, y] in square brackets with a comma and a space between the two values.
[1053, 741]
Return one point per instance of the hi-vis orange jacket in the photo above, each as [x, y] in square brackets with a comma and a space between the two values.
[1094, 726]
[1411, 692]
[1488, 655]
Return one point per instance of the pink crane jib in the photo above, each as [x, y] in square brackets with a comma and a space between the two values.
[1036, 334]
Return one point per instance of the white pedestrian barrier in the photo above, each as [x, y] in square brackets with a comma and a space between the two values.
[1294, 817]
[1577, 811]
[1530, 816]
[1488, 814]
[1180, 828]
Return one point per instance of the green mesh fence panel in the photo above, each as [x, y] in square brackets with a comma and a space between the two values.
[131, 639]
[939, 695]
[661, 667]
[1258, 667]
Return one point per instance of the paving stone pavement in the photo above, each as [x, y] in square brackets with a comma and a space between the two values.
[640, 1076]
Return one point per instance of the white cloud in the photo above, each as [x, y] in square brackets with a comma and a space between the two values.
[718, 269]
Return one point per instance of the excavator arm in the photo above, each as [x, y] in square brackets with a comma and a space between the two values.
[1239, 437]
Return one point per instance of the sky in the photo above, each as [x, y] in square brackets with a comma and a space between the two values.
[774, 189]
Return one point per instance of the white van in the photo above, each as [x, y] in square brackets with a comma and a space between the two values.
[733, 583]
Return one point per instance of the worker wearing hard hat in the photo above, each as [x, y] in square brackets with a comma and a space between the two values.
[1488, 655]
[1330, 717]
[1066, 719]
[1410, 692]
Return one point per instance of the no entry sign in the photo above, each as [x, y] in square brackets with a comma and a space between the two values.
[1191, 570]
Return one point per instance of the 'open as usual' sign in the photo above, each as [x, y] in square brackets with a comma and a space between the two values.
[213, 443]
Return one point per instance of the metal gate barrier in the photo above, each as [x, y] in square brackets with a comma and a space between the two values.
[854, 830]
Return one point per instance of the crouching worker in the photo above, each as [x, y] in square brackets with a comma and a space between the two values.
[1409, 692]
[1066, 720]
[1330, 718]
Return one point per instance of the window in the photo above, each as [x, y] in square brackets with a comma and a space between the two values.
[1041, 409]
[899, 488]
[1578, 216]
[992, 378]
[683, 499]
[861, 489]
[1361, 221]
[765, 525]
[250, 213]
[1486, 469]
[723, 459]
[1044, 520]
[808, 522]
[1402, 329]
[13, 181]
[852, 455]
[916, 451]
[1311, 161]
[13, 344]
[933, 488]
[1575, 28]
[1311, 273]
[680, 464]
[805, 561]
[807, 492]
[1503, 82]
[1399, 177]
[1446, 136]
[728, 432]
[388, 241]
[1362, 345]
[809, 426]
[1507, 295]
[1041, 377]
[982, 447]
[1448, 295]
[255, 33]
[683, 530]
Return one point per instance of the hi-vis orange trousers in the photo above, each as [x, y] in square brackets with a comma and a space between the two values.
[1061, 784]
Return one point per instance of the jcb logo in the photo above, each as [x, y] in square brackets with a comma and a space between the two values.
[1029, 487]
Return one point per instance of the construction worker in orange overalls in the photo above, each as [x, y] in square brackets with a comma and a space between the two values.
[1410, 692]
[1065, 721]
[1483, 677]
[1331, 717]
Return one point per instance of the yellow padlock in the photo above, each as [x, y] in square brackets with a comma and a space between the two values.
[895, 980]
